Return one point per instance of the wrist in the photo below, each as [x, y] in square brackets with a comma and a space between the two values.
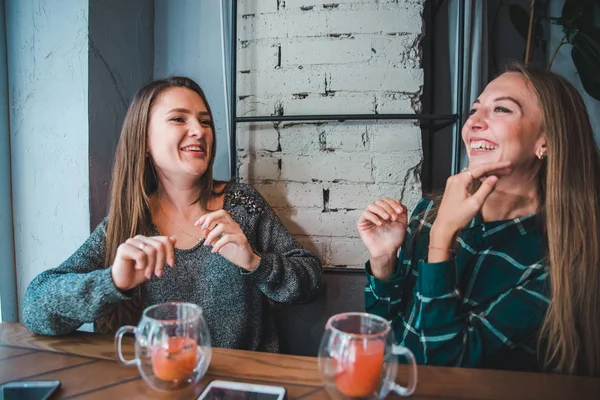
[115, 282]
[383, 267]
[441, 237]
[253, 264]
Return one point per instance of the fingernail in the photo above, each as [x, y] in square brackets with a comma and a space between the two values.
[204, 225]
[159, 274]
[399, 210]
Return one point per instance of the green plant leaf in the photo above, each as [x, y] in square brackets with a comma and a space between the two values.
[572, 9]
[520, 19]
[586, 57]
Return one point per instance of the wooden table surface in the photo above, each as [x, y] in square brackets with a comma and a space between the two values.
[86, 366]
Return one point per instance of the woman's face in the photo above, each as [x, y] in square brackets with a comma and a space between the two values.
[180, 136]
[505, 124]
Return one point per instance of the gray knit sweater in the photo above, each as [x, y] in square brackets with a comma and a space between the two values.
[236, 303]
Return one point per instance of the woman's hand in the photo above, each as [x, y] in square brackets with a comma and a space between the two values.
[140, 257]
[227, 238]
[458, 206]
[382, 227]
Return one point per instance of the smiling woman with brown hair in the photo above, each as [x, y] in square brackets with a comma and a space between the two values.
[503, 270]
[175, 234]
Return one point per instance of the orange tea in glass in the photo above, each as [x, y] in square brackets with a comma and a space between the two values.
[358, 359]
[172, 345]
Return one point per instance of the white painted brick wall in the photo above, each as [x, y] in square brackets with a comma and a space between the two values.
[398, 136]
[285, 194]
[258, 138]
[348, 251]
[391, 168]
[323, 57]
[315, 222]
[341, 103]
[326, 52]
[309, 139]
[355, 167]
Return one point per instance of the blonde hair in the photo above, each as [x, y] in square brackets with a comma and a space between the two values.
[570, 187]
[134, 180]
[569, 191]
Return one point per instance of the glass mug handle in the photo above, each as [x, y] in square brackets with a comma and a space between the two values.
[118, 340]
[412, 376]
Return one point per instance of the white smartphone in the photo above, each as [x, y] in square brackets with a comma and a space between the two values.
[28, 390]
[225, 390]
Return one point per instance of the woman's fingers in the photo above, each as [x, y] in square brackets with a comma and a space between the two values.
[214, 234]
[487, 186]
[141, 257]
[485, 169]
[380, 211]
[226, 239]
[168, 247]
[208, 221]
[389, 207]
[395, 204]
[160, 244]
[128, 251]
[152, 254]
[367, 218]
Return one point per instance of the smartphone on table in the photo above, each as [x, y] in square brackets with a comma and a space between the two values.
[225, 390]
[28, 390]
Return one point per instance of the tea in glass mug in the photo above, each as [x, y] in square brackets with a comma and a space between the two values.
[172, 345]
[358, 359]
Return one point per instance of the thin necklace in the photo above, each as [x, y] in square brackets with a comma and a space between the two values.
[177, 226]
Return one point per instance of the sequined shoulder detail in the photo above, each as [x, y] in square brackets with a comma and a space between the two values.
[241, 196]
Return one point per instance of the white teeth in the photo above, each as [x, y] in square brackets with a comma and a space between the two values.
[192, 148]
[481, 145]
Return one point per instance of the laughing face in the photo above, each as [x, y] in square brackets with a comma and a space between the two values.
[180, 134]
[505, 125]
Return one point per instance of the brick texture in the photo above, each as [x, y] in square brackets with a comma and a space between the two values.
[322, 57]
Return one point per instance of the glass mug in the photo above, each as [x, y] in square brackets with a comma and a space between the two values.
[358, 358]
[172, 345]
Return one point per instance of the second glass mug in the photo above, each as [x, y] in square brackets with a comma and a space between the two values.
[172, 345]
[358, 358]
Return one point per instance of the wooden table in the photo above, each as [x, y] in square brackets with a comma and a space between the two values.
[85, 364]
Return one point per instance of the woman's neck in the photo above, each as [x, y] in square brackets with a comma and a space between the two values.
[511, 199]
[178, 198]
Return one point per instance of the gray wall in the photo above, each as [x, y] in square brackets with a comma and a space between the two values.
[187, 42]
[47, 75]
[121, 60]
[8, 306]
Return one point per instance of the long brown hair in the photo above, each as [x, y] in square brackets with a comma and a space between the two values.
[134, 180]
[570, 189]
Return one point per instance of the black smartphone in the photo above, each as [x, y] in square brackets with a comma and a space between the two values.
[28, 390]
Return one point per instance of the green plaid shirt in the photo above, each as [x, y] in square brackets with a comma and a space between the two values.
[482, 308]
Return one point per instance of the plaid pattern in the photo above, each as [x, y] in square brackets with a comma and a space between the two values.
[482, 308]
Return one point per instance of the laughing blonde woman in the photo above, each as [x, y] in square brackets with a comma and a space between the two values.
[503, 270]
